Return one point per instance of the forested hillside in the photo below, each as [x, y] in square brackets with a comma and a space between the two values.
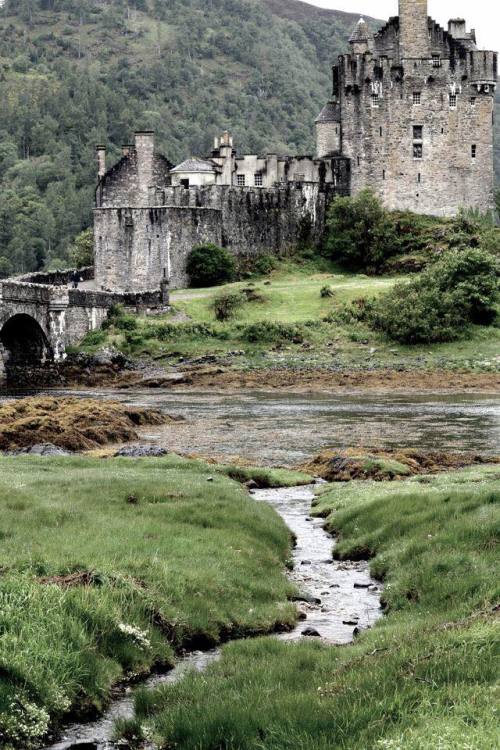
[74, 73]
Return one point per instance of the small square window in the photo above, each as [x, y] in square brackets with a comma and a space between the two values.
[417, 97]
[258, 179]
[473, 151]
[240, 180]
[453, 101]
[473, 101]
[418, 151]
[375, 99]
[418, 132]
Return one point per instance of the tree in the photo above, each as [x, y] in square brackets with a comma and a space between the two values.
[209, 265]
[82, 252]
[359, 232]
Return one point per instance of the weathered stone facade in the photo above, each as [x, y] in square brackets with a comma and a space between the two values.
[144, 228]
[416, 111]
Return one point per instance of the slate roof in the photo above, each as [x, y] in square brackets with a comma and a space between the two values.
[329, 113]
[195, 165]
[361, 32]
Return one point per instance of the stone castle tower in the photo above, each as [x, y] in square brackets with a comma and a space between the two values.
[412, 109]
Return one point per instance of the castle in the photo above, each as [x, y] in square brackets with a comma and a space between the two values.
[411, 117]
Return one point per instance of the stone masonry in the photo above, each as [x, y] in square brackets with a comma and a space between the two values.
[411, 117]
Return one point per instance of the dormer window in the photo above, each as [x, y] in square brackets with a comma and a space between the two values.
[417, 98]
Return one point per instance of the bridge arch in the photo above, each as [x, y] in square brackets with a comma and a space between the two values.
[24, 342]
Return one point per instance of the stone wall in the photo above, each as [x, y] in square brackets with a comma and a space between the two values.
[136, 246]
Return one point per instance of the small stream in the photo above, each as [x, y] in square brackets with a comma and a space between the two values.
[338, 597]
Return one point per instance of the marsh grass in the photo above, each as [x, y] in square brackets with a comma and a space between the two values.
[422, 679]
[189, 562]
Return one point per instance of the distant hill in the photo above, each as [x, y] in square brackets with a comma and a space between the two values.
[74, 73]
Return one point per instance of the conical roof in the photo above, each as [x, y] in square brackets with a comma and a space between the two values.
[329, 113]
[361, 32]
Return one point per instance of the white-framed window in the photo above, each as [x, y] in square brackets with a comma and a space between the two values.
[453, 101]
[258, 179]
[417, 97]
[436, 61]
[473, 150]
[240, 180]
[375, 100]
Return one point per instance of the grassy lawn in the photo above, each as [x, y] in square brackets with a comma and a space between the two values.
[422, 679]
[108, 567]
[293, 327]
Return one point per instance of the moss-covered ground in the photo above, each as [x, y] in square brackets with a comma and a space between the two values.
[110, 566]
[286, 322]
[422, 679]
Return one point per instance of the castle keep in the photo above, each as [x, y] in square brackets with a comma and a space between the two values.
[411, 117]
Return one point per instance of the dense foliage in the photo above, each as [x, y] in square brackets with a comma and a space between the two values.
[74, 73]
[209, 265]
[360, 232]
[460, 289]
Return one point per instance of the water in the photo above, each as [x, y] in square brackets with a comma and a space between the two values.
[341, 607]
[285, 428]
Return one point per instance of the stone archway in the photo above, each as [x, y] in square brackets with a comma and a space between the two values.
[24, 342]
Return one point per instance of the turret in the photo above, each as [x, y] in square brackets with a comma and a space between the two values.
[361, 40]
[328, 130]
[414, 40]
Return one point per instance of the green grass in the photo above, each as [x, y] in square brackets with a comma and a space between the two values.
[422, 679]
[292, 329]
[176, 554]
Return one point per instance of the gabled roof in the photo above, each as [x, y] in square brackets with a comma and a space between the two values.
[329, 113]
[361, 32]
[195, 165]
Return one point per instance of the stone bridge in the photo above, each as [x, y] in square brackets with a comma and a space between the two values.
[39, 321]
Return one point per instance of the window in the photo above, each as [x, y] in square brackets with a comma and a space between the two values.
[299, 177]
[418, 131]
[417, 97]
[380, 131]
[383, 174]
[258, 179]
[453, 101]
[419, 178]
[240, 180]
[436, 61]
[473, 151]
[473, 101]
[374, 100]
[418, 151]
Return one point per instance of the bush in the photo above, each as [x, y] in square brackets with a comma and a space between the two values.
[360, 232]
[272, 333]
[209, 265]
[265, 264]
[327, 291]
[126, 323]
[461, 288]
[94, 338]
[225, 305]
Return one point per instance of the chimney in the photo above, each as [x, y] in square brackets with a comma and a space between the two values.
[414, 41]
[457, 27]
[101, 160]
[144, 147]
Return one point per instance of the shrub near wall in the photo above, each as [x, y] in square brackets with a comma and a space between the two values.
[209, 265]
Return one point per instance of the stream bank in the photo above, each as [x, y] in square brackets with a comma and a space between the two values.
[338, 599]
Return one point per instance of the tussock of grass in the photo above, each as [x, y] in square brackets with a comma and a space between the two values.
[266, 477]
[381, 465]
[422, 678]
[94, 586]
[71, 423]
